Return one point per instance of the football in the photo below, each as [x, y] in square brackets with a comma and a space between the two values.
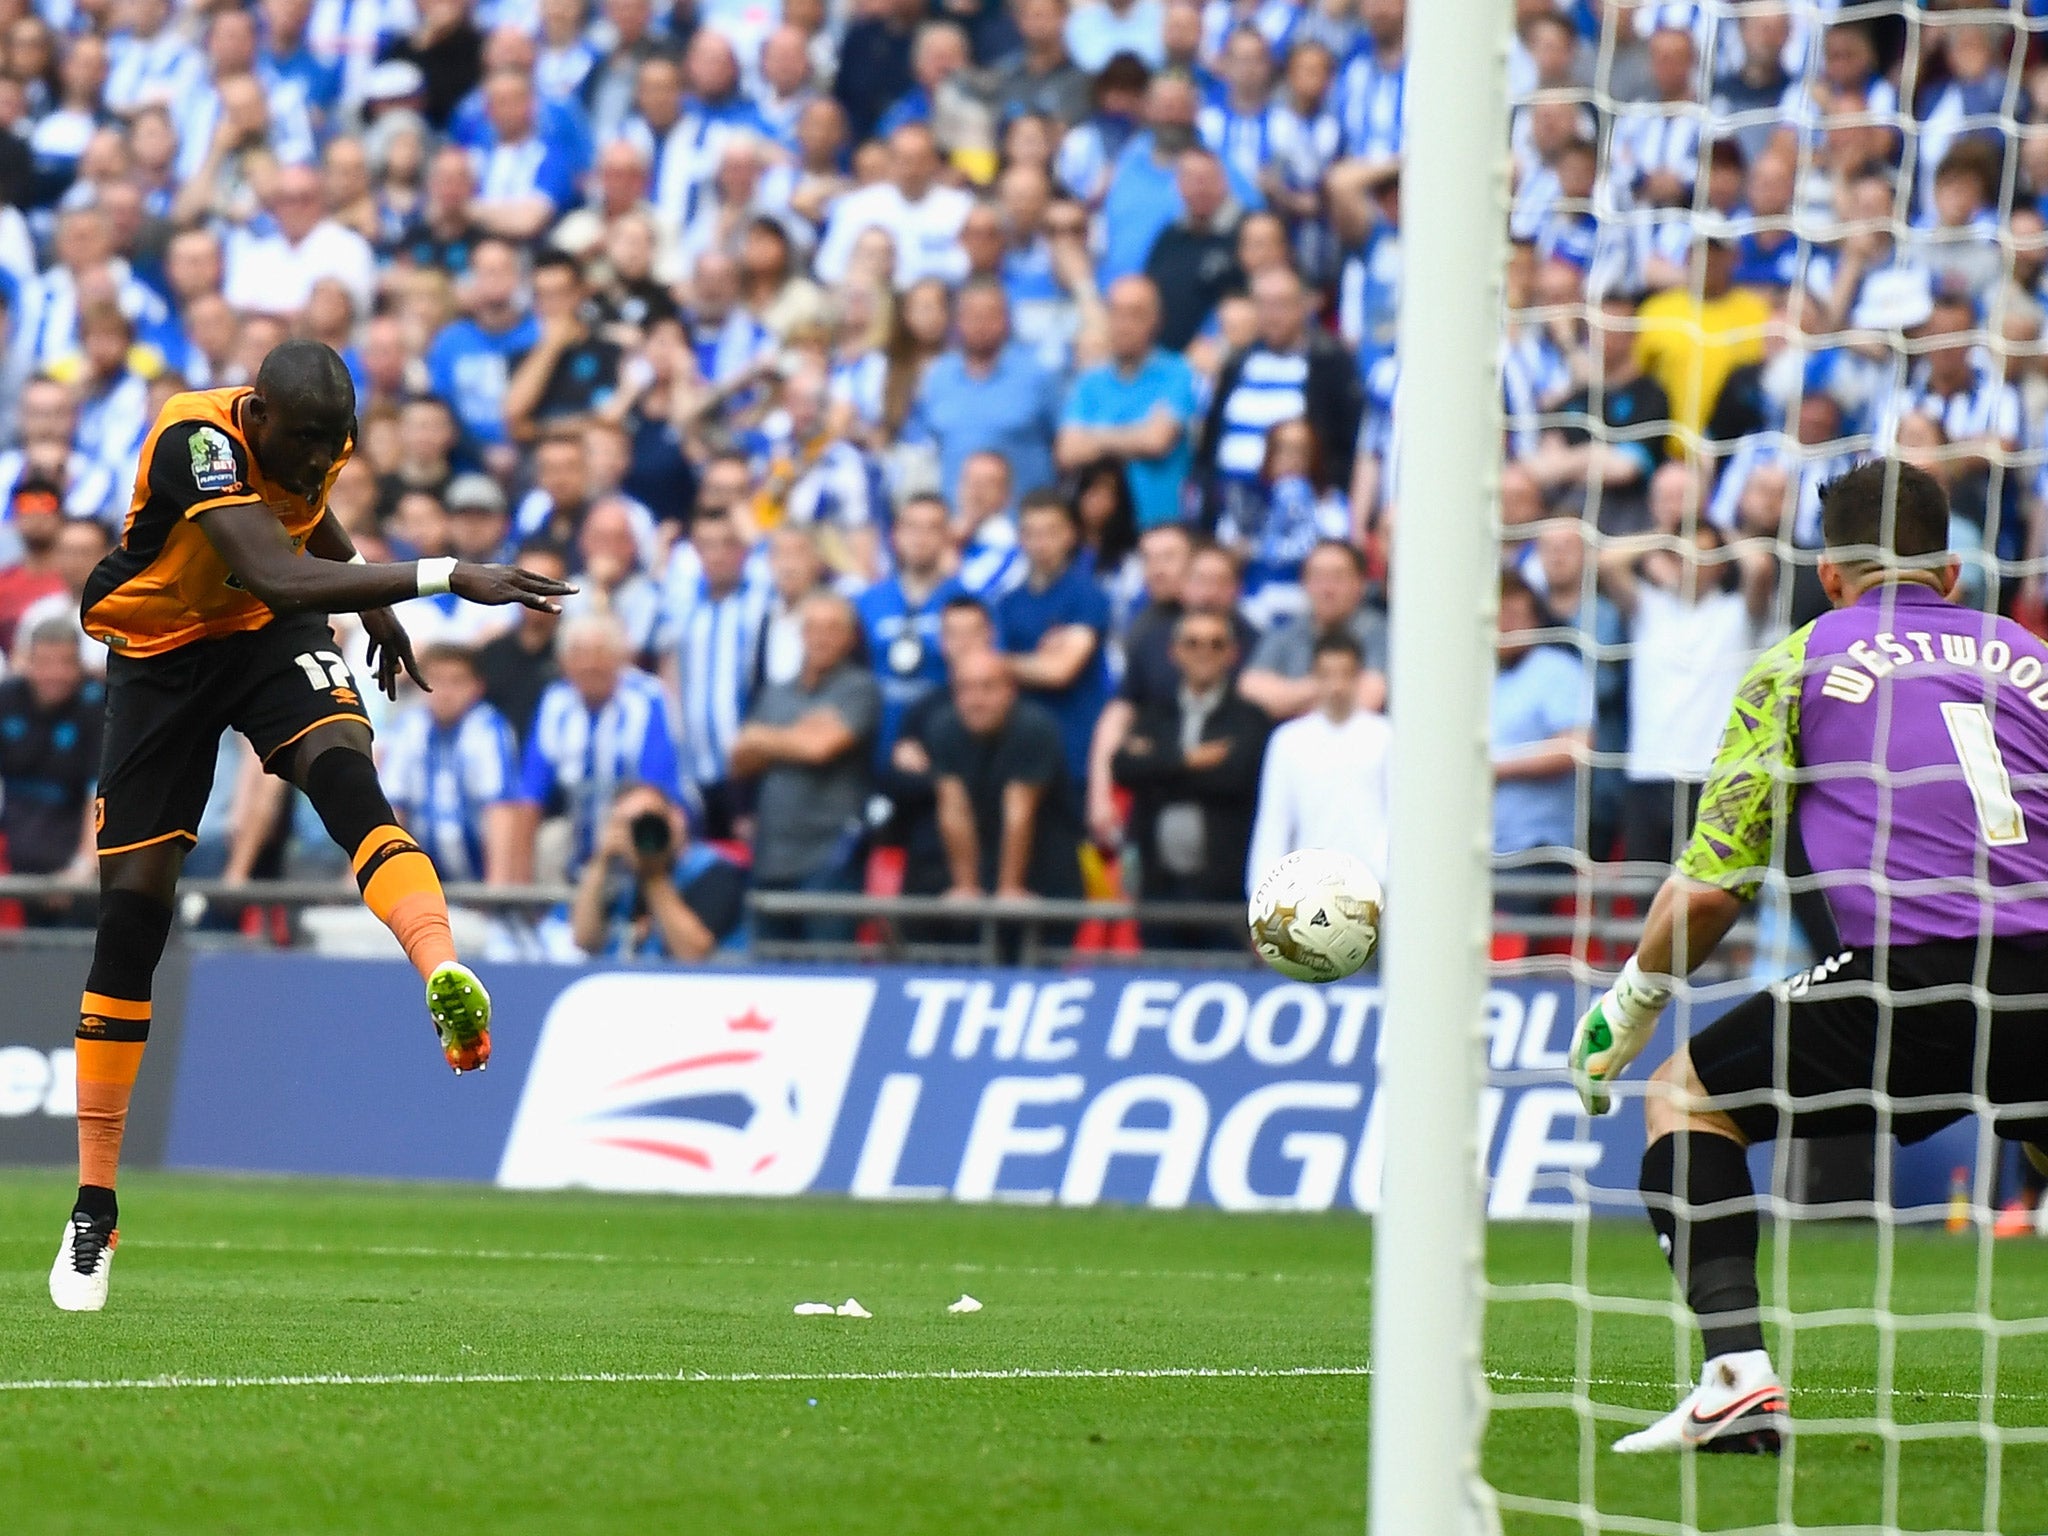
[1316, 915]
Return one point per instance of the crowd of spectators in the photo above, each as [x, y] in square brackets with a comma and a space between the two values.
[972, 424]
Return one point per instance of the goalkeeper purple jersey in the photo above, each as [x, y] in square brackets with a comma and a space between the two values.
[1910, 737]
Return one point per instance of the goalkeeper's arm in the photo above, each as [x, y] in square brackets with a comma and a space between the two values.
[1732, 841]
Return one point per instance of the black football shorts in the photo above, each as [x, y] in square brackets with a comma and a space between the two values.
[1810, 1056]
[165, 715]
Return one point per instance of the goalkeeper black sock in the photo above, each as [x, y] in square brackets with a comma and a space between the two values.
[1712, 1256]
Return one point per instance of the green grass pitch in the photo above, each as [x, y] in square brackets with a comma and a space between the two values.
[786, 1424]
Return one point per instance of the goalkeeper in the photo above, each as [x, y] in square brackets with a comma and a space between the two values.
[1909, 737]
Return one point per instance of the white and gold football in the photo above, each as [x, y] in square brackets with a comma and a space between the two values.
[1316, 915]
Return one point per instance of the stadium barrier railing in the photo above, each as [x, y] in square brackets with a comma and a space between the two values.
[1590, 916]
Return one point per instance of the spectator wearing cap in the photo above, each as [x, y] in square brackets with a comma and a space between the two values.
[1290, 370]
[450, 764]
[44, 454]
[989, 394]
[1138, 406]
[1054, 625]
[1099, 30]
[1088, 151]
[1690, 342]
[1333, 585]
[479, 528]
[1326, 781]
[602, 726]
[920, 214]
[570, 371]
[810, 744]
[1041, 76]
[274, 273]
[1192, 760]
[1193, 263]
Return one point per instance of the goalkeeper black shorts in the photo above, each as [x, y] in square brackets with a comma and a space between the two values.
[1901, 1059]
[166, 713]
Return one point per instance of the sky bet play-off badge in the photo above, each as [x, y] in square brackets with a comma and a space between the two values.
[213, 460]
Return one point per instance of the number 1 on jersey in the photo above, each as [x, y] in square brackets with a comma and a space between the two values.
[1998, 813]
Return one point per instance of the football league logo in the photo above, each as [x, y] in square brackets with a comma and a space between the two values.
[213, 461]
[690, 1084]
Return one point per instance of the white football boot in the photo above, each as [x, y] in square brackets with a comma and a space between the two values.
[1739, 1406]
[78, 1280]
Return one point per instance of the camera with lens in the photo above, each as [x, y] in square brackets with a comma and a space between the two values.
[650, 833]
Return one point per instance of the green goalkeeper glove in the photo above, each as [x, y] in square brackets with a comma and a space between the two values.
[1613, 1033]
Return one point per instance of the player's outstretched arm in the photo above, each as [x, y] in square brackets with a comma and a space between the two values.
[252, 543]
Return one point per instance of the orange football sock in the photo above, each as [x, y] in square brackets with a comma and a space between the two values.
[398, 883]
[106, 1078]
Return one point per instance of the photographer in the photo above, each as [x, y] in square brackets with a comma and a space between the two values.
[650, 893]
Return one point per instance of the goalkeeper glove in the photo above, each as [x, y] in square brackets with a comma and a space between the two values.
[1613, 1033]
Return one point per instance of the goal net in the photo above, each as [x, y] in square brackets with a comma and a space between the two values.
[1754, 243]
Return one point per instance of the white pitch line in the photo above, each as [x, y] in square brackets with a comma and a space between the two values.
[723, 1261]
[691, 1378]
[1502, 1378]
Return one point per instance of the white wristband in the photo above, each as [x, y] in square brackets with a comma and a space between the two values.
[433, 575]
[357, 559]
[1637, 995]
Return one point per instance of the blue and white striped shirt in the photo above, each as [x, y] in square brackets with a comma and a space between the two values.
[90, 488]
[48, 324]
[140, 70]
[1272, 387]
[1372, 103]
[716, 640]
[578, 758]
[111, 426]
[691, 152]
[441, 780]
[1241, 140]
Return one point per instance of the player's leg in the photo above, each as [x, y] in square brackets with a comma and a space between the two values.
[304, 716]
[1701, 1201]
[156, 770]
[397, 879]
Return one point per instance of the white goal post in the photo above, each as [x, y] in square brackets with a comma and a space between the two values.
[1427, 1390]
